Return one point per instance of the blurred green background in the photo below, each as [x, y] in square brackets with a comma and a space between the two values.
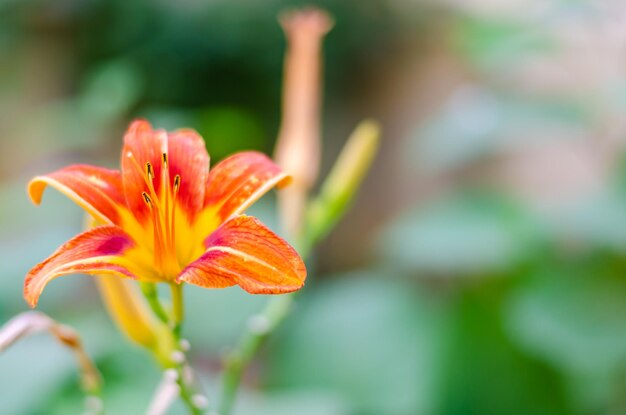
[481, 270]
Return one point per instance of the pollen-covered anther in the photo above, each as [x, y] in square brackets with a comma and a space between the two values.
[147, 199]
[149, 171]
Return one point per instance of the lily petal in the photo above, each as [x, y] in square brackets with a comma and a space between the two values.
[190, 161]
[95, 189]
[245, 252]
[142, 145]
[240, 180]
[97, 250]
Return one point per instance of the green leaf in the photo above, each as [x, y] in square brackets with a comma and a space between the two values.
[572, 316]
[464, 235]
[368, 339]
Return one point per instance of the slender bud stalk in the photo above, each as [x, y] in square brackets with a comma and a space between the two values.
[298, 147]
[343, 181]
[31, 322]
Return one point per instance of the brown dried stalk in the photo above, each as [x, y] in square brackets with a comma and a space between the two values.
[33, 322]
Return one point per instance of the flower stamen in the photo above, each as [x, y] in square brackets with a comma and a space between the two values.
[158, 244]
[149, 171]
[149, 179]
[165, 191]
[173, 213]
[147, 199]
[163, 208]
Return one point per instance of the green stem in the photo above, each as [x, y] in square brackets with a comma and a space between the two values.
[177, 359]
[258, 330]
[185, 377]
[187, 391]
[150, 292]
[178, 310]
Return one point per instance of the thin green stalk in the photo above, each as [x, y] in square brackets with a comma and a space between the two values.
[178, 358]
[187, 391]
[149, 291]
[258, 330]
[323, 212]
[178, 309]
[184, 372]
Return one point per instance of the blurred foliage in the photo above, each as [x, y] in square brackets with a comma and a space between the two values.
[497, 288]
[466, 235]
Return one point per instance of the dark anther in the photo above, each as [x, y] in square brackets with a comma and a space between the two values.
[146, 199]
[149, 171]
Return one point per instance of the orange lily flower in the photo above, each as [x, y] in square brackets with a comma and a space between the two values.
[167, 218]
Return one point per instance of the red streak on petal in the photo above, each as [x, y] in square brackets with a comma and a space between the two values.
[93, 251]
[114, 245]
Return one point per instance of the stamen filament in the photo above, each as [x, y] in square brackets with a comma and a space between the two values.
[165, 191]
[163, 212]
[149, 179]
[173, 213]
[158, 240]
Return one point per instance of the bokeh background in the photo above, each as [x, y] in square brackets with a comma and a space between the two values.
[482, 269]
